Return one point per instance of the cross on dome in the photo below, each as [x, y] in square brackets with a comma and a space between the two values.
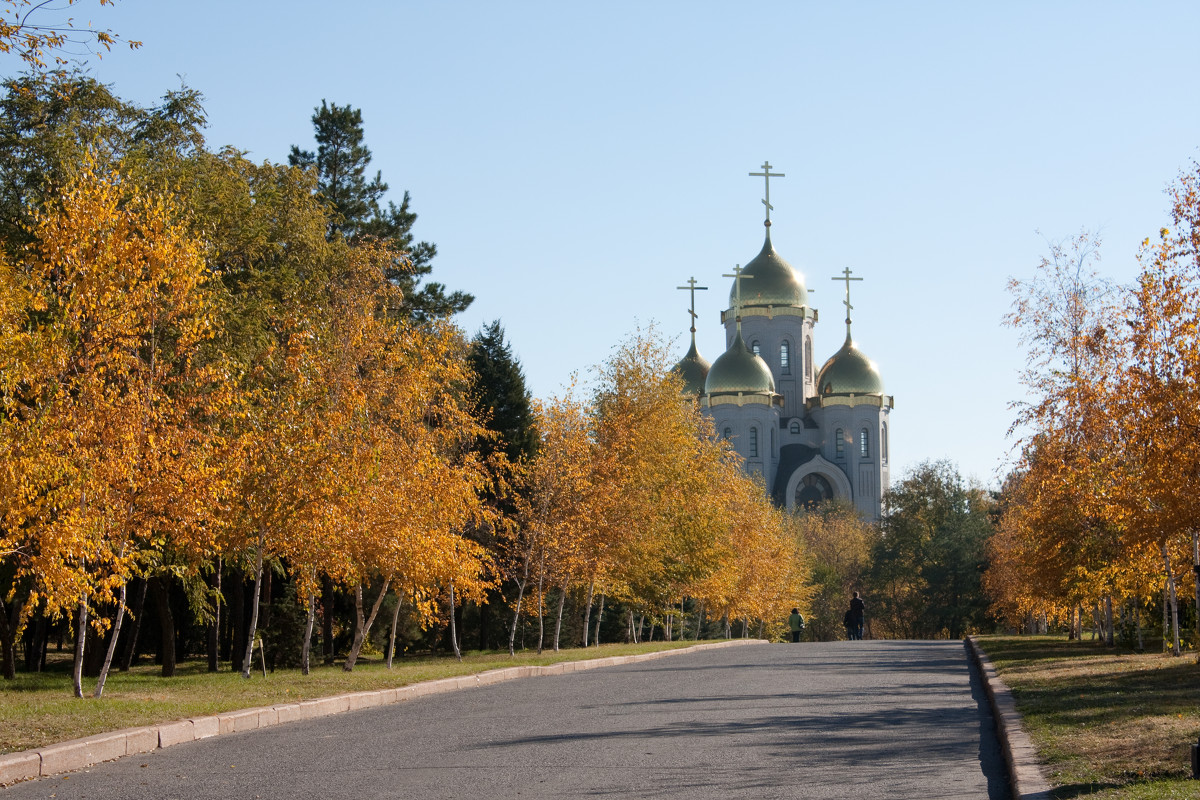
[846, 272]
[737, 290]
[766, 175]
[692, 288]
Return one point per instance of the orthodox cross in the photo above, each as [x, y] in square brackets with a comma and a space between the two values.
[766, 175]
[846, 277]
[692, 288]
[737, 294]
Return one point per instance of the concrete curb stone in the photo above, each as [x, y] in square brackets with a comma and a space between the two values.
[82, 753]
[1020, 756]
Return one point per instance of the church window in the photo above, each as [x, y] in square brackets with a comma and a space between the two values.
[794, 426]
[785, 359]
[753, 443]
[839, 448]
[883, 443]
[755, 348]
[808, 358]
[863, 443]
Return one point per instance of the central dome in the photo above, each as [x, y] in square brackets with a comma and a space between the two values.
[739, 370]
[768, 280]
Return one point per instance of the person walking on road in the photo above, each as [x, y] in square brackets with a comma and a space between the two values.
[858, 615]
[796, 623]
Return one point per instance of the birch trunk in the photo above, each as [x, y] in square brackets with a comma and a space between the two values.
[587, 613]
[214, 627]
[1175, 649]
[599, 617]
[453, 627]
[392, 637]
[516, 614]
[306, 649]
[541, 594]
[700, 621]
[81, 618]
[112, 644]
[562, 602]
[253, 610]
[362, 628]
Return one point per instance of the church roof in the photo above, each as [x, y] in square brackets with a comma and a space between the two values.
[693, 368]
[768, 280]
[849, 371]
[739, 370]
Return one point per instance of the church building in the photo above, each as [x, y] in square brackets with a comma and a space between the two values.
[811, 434]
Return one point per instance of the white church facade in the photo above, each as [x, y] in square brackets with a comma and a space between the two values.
[812, 434]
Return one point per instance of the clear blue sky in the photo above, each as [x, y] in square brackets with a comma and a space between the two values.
[574, 162]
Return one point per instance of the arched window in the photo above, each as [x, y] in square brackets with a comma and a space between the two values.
[728, 434]
[864, 437]
[808, 357]
[754, 346]
[753, 443]
[785, 358]
[839, 448]
[794, 426]
[883, 443]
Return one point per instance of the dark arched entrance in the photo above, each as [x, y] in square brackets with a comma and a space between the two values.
[813, 490]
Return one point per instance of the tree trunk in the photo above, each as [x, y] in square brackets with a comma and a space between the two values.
[214, 625]
[599, 618]
[1196, 574]
[541, 594]
[512, 633]
[237, 619]
[139, 605]
[562, 602]
[587, 613]
[81, 619]
[9, 620]
[112, 642]
[1175, 648]
[306, 648]
[392, 638]
[1109, 639]
[166, 623]
[637, 632]
[1166, 636]
[327, 619]
[453, 627]
[361, 627]
[700, 621]
[254, 602]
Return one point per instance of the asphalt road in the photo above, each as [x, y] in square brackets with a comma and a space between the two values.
[860, 720]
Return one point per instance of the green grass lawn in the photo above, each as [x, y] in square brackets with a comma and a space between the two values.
[1108, 723]
[38, 709]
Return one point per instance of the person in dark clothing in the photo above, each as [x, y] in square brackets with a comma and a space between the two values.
[858, 615]
[796, 624]
[848, 621]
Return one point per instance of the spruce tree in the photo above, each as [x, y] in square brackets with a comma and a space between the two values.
[501, 395]
[341, 162]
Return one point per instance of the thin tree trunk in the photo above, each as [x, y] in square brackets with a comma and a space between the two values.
[637, 634]
[1166, 636]
[138, 606]
[306, 648]
[1196, 575]
[392, 637]
[214, 626]
[562, 602]
[512, 633]
[541, 594]
[599, 617]
[1175, 648]
[362, 628]
[1109, 639]
[112, 643]
[453, 626]
[166, 623]
[725, 624]
[254, 602]
[81, 618]
[700, 621]
[327, 619]
[587, 613]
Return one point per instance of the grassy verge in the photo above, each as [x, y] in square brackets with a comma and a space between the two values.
[1109, 723]
[38, 709]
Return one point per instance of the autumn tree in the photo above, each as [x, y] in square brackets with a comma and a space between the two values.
[34, 30]
[839, 543]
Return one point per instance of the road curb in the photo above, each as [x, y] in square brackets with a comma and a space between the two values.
[1025, 776]
[78, 754]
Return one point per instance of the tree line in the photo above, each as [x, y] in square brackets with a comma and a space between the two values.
[233, 405]
[1099, 517]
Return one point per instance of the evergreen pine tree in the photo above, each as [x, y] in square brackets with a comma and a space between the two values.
[341, 162]
[501, 396]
